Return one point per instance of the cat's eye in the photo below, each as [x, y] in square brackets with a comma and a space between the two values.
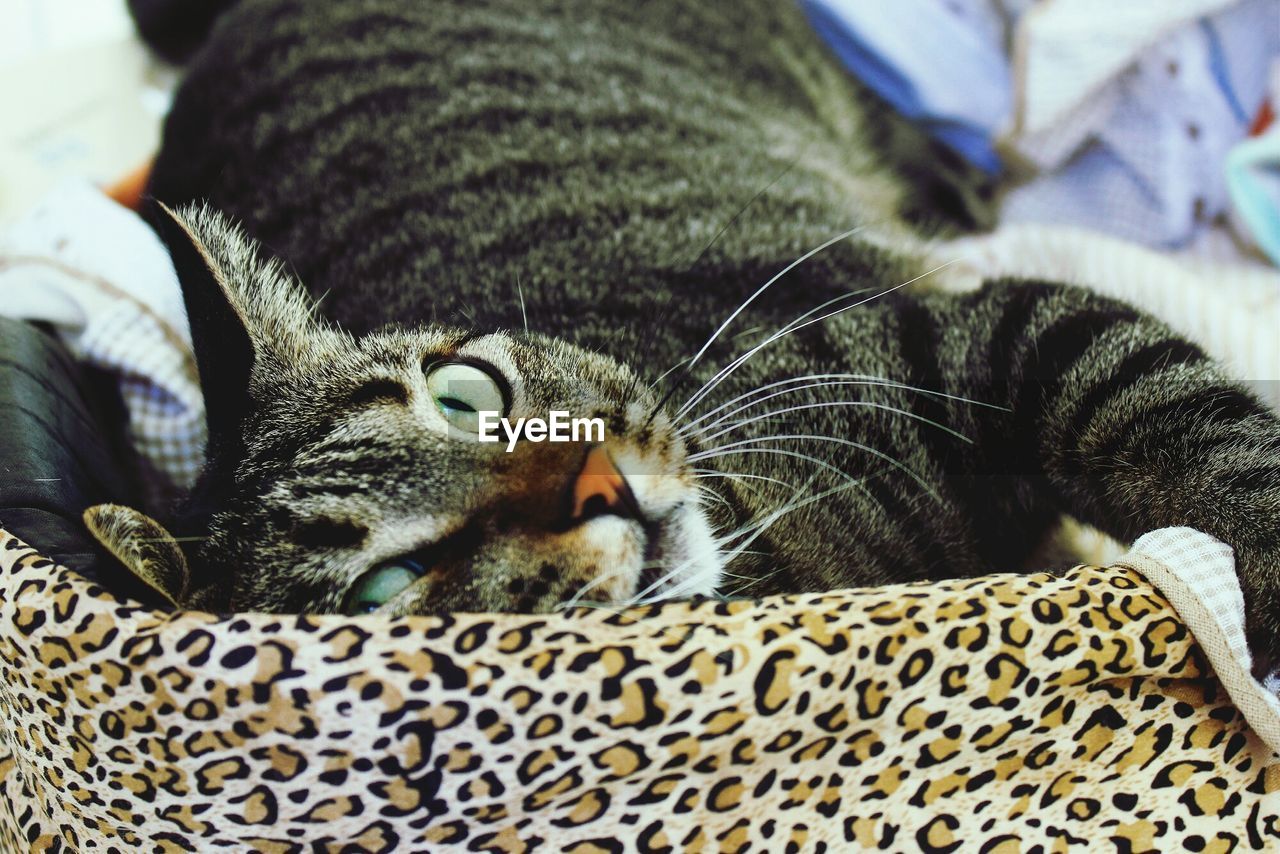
[377, 586]
[462, 391]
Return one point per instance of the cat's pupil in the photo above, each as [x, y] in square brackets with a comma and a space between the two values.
[455, 404]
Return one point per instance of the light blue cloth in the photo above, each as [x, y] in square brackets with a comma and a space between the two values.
[1253, 177]
[1154, 172]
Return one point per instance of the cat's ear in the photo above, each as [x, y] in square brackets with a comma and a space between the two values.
[243, 310]
[144, 547]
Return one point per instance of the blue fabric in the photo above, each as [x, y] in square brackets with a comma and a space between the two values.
[928, 65]
[1150, 168]
[1221, 73]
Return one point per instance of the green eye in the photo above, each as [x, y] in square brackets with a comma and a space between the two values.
[462, 392]
[377, 586]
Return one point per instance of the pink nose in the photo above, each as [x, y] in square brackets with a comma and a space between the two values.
[600, 488]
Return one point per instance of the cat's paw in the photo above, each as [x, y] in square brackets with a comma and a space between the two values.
[1259, 574]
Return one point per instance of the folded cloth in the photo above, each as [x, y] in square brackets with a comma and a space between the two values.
[98, 274]
[939, 64]
[1141, 153]
[1127, 110]
[1197, 574]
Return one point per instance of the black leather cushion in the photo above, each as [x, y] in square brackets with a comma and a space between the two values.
[61, 450]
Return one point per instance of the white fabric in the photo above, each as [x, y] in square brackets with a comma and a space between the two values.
[99, 274]
[1197, 574]
[1067, 51]
[1232, 310]
[1132, 111]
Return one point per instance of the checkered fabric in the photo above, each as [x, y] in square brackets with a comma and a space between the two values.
[1197, 574]
[98, 274]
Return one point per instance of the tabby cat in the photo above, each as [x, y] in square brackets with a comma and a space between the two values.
[682, 218]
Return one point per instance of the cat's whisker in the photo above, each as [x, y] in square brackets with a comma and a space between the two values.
[712, 494]
[744, 333]
[639, 598]
[734, 447]
[787, 269]
[725, 372]
[755, 529]
[829, 403]
[666, 304]
[699, 473]
[733, 451]
[742, 306]
[576, 599]
[827, 381]
[684, 428]
[668, 372]
[520, 293]
[750, 488]
[169, 539]
[783, 329]
[764, 524]
[705, 435]
[751, 582]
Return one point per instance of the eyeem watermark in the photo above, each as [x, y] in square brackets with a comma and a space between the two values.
[559, 427]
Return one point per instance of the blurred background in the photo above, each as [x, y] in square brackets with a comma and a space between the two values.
[82, 97]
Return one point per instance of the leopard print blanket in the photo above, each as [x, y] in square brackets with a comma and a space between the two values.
[1004, 713]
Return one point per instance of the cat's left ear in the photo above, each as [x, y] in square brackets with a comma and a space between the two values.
[225, 279]
[245, 311]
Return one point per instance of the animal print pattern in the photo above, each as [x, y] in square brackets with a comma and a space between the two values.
[1003, 713]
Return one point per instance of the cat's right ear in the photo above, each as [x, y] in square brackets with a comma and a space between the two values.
[244, 311]
[144, 547]
[151, 553]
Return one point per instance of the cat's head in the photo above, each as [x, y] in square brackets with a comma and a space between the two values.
[349, 474]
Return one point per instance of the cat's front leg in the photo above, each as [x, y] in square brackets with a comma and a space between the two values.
[1134, 428]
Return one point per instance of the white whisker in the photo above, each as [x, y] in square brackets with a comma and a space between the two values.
[731, 450]
[737, 475]
[756, 529]
[787, 269]
[668, 372]
[829, 403]
[735, 447]
[595, 582]
[520, 293]
[826, 380]
[724, 373]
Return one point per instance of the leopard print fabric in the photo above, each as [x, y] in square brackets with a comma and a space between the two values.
[1004, 713]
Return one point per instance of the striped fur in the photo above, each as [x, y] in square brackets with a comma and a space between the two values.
[622, 176]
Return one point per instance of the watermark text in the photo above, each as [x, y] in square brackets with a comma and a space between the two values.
[558, 427]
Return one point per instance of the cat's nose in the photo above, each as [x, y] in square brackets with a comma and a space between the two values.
[600, 488]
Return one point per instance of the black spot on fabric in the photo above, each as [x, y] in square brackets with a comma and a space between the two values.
[238, 657]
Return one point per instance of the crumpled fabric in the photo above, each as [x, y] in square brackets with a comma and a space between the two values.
[102, 279]
[1125, 112]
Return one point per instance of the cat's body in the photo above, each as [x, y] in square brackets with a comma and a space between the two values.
[623, 177]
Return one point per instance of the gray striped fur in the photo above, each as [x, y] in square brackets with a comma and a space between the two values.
[433, 172]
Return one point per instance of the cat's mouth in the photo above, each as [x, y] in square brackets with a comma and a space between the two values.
[651, 571]
[680, 558]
